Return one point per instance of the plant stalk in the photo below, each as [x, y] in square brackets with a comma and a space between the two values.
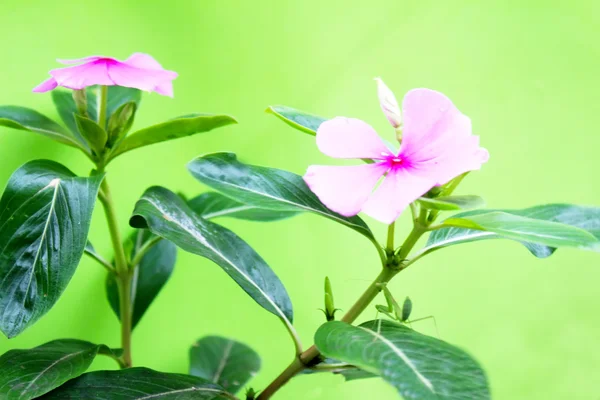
[308, 357]
[124, 274]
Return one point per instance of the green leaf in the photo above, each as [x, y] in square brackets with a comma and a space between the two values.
[67, 109]
[93, 133]
[452, 203]
[138, 384]
[149, 276]
[120, 123]
[168, 216]
[26, 119]
[45, 215]
[266, 188]
[224, 361]
[558, 224]
[118, 96]
[27, 374]
[418, 366]
[214, 205]
[305, 122]
[174, 129]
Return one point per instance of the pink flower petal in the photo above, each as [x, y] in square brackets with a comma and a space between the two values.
[344, 189]
[144, 79]
[399, 188]
[142, 60]
[81, 76]
[46, 86]
[82, 60]
[431, 124]
[389, 104]
[146, 61]
[350, 138]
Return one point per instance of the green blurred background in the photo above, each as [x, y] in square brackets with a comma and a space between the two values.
[525, 72]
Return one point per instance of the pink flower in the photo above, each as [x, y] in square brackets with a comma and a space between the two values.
[139, 71]
[437, 146]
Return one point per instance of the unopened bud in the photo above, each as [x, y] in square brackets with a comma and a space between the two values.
[80, 98]
[329, 303]
[389, 106]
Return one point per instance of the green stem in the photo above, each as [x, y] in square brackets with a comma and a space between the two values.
[103, 100]
[146, 247]
[390, 238]
[309, 357]
[124, 274]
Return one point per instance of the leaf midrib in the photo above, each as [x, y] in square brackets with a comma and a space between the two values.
[205, 243]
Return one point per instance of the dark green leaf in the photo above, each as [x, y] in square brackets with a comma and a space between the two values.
[349, 372]
[266, 188]
[137, 384]
[214, 205]
[418, 366]
[45, 215]
[149, 277]
[26, 119]
[224, 361]
[581, 217]
[93, 133]
[305, 122]
[26, 374]
[168, 216]
[176, 128]
[452, 203]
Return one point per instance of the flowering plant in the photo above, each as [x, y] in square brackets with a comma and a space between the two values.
[45, 215]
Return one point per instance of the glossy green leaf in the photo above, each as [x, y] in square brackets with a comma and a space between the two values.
[45, 215]
[27, 374]
[149, 276]
[452, 203]
[138, 384]
[94, 134]
[168, 216]
[214, 205]
[224, 361]
[186, 125]
[336, 367]
[418, 366]
[582, 230]
[26, 119]
[263, 187]
[305, 122]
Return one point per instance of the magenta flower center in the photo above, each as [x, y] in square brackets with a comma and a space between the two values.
[393, 161]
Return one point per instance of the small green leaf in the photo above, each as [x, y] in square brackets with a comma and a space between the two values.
[174, 129]
[224, 361]
[26, 119]
[120, 123]
[214, 205]
[149, 277]
[582, 217]
[67, 109]
[168, 216]
[45, 215]
[93, 133]
[452, 203]
[305, 122]
[118, 96]
[138, 384]
[266, 188]
[27, 374]
[418, 366]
